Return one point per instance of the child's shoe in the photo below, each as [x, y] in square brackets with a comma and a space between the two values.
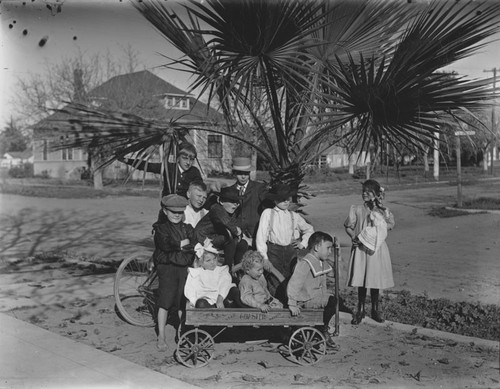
[377, 316]
[358, 317]
[329, 340]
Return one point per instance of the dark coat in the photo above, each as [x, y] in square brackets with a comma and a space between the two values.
[251, 207]
[168, 237]
[215, 226]
[182, 180]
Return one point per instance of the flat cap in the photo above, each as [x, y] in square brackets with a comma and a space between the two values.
[174, 202]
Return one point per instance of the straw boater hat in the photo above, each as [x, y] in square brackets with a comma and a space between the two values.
[242, 164]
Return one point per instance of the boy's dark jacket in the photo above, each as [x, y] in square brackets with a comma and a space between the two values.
[167, 237]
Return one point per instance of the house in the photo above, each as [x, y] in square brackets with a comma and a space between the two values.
[144, 94]
[16, 158]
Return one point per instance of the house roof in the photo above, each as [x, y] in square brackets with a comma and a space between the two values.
[145, 83]
[26, 154]
[128, 87]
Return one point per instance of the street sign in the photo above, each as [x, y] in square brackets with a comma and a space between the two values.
[463, 133]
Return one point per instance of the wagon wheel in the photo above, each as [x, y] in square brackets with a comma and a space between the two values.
[307, 346]
[134, 290]
[195, 348]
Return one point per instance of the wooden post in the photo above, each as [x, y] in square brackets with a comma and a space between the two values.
[436, 157]
[459, 173]
[493, 125]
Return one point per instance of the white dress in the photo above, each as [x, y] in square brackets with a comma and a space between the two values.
[369, 271]
[207, 284]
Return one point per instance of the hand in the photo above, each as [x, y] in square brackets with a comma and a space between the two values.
[238, 231]
[220, 302]
[267, 265]
[355, 242]
[295, 311]
[184, 242]
[296, 244]
[265, 308]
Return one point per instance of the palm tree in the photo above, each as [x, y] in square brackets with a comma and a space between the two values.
[355, 72]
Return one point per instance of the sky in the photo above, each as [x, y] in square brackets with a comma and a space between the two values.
[94, 26]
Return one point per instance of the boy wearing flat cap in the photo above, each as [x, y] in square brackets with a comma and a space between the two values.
[281, 232]
[174, 242]
[251, 193]
[221, 226]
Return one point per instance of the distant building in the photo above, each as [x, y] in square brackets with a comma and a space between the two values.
[143, 94]
[336, 157]
[16, 158]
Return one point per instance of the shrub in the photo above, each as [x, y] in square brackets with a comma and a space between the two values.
[25, 170]
[463, 318]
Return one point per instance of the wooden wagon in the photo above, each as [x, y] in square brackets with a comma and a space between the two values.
[195, 348]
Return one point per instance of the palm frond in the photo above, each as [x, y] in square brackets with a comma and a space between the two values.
[404, 97]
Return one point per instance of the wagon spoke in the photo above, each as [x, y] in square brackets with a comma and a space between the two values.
[301, 347]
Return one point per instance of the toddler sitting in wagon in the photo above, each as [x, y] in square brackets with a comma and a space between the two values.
[253, 285]
[209, 285]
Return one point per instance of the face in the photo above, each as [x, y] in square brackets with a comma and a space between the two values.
[229, 207]
[197, 197]
[174, 216]
[323, 250]
[242, 178]
[256, 271]
[285, 204]
[367, 194]
[208, 261]
[186, 159]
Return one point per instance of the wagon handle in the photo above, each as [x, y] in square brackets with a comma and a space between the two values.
[336, 256]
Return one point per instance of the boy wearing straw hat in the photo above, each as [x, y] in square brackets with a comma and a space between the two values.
[251, 193]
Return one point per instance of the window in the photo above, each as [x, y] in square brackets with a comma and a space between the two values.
[214, 146]
[67, 154]
[176, 102]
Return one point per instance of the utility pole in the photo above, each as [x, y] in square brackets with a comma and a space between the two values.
[493, 125]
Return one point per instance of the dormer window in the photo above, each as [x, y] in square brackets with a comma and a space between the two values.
[176, 102]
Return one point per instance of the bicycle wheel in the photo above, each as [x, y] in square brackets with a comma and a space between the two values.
[134, 290]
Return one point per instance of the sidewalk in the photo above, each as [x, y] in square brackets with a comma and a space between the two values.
[32, 357]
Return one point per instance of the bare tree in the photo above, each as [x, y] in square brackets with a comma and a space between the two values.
[69, 81]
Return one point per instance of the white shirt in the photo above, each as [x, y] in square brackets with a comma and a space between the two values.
[193, 217]
[281, 227]
[242, 187]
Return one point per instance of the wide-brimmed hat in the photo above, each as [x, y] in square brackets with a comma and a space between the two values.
[174, 203]
[280, 192]
[242, 164]
[229, 194]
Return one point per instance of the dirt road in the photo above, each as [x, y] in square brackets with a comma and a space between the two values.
[456, 257]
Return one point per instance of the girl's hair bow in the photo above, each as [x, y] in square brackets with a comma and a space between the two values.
[207, 246]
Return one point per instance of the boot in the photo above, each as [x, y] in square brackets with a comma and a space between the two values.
[376, 315]
[360, 314]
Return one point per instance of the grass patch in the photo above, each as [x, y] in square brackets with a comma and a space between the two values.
[447, 212]
[482, 203]
[462, 318]
[73, 192]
